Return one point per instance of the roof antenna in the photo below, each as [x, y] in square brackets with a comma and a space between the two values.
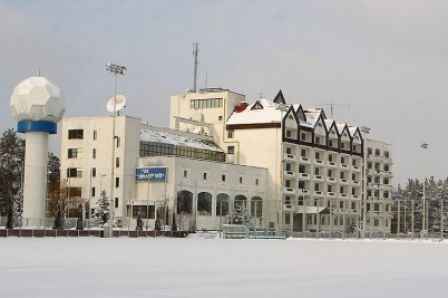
[206, 78]
[196, 62]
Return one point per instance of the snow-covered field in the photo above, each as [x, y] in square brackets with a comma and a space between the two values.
[93, 267]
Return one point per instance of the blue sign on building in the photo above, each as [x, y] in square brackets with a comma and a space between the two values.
[152, 174]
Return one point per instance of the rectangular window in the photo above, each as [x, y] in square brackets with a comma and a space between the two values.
[204, 176]
[95, 134]
[342, 160]
[230, 149]
[117, 141]
[117, 182]
[223, 178]
[241, 180]
[185, 173]
[74, 191]
[93, 172]
[303, 153]
[74, 173]
[73, 152]
[94, 153]
[287, 218]
[316, 187]
[317, 140]
[77, 134]
[93, 191]
[317, 155]
[377, 152]
[288, 133]
[369, 151]
[116, 202]
[386, 154]
[230, 133]
[117, 162]
[256, 181]
[303, 137]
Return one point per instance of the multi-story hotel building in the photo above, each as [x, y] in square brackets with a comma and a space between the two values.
[293, 168]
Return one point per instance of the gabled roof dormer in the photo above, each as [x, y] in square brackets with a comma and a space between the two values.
[279, 98]
[319, 125]
[290, 118]
[300, 114]
[356, 135]
[257, 106]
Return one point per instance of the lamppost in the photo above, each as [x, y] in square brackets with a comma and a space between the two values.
[116, 70]
[424, 231]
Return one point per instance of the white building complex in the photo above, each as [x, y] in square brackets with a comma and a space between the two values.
[280, 165]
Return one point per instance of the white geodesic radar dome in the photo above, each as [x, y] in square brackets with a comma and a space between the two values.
[37, 99]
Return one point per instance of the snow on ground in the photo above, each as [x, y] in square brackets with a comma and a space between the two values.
[163, 267]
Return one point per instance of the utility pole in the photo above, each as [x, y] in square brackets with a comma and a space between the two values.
[196, 63]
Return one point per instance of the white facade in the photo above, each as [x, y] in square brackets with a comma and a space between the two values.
[86, 153]
[315, 164]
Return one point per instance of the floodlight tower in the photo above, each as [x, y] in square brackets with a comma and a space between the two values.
[116, 70]
[38, 105]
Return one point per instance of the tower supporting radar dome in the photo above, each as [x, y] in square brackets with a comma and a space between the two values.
[38, 105]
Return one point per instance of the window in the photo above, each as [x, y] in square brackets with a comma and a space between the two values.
[316, 171]
[77, 134]
[223, 178]
[256, 181]
[302, 184]
[386, 180]
[287, 183]
[204, 203]
[303, 153]
[184, 202]
[117, 162]
[94, 153]
[95, 134]
[369, 151]
[330, 173]
[386, 154]
[185, 173]
[316, 187]
[74, 191]
[74, 173]
[288, 133]
[241, 180]
[302, 169]
[222, 204]
[330, 157]
[342, 175]
[288, 167]
[256, 207]
[386, 168]
[303, 137]
[342, 145]
[92, 191]
[144, 211]
[230, 149]
[342, 160]
[377, 152]
[204, 176]
[117, 141]
[230, 133]
[317, 155]
[287, 219]
[219, 118]
[164, 149]
[369, 165]
[117, 182]
[288, 150]
[330, 143]
[73, 152]
[317, 140]
[329, 188]
[208, 103]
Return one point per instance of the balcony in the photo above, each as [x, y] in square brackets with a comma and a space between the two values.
[318, 162]
[318, 178]
[289, 190]
[290, 174]
[304, 176]
[318, 194]
[356, 169]
[331, 180]
[355, 182]
[304, 160]
[331, 194]
[343, 181]
[303, 192]
[288, 157]
[343, 195]
[344, 166]
[331, 164]
[355, 196]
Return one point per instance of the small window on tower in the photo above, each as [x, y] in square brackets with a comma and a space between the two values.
[230, 149]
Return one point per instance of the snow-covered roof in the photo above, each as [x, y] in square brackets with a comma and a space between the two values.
[269, 113]
[197, 142]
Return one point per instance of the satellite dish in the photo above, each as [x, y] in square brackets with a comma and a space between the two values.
[119, 102]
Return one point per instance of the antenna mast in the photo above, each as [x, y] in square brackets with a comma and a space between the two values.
[196, 62]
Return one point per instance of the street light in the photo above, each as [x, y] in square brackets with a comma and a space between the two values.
[116, 70]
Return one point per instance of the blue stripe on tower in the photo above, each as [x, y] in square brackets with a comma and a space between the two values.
[37, 126]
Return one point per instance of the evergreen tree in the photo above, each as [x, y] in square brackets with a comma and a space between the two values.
[79, 223]
[139, 226]
[12, 151]
[103, 212]
[59, 220]
[241, 215]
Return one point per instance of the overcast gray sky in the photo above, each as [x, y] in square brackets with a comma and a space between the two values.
[387, 59]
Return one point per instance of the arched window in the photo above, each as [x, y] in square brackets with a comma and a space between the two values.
[256, 207]
[240, 202]
[204, 203]
[184, 202]
[222, 204]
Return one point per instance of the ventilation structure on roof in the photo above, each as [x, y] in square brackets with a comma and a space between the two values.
[279, 98]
